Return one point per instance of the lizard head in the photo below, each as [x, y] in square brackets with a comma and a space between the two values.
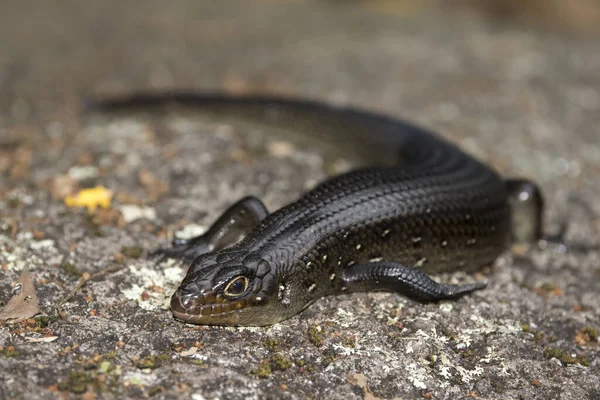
[227, 288]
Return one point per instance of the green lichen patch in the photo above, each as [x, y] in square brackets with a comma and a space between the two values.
[36, 325]
[563, 357]
[279, 362]
[9, 351]
[304, 365]
[349, 341]
[70, 269]
[467, 353]
[300, 362]
[315, 335]
[95, 361]
[153, 391]
[431, 359]
[13, 201]
[270, 344]
[263, 370]
[43, 321]
[79, 381]
[329, 356]
[132, 251]
[537, 335]
[498, 384]
[448, 333]
[92, 226]
[152, 361]
[102, 379]
[266, 366]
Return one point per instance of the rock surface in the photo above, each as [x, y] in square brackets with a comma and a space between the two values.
[527, 102]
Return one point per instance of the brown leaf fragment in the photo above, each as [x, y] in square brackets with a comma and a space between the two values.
[45, 339]
[154, 186]
[24, 302]
[63, 186]
[360, 380]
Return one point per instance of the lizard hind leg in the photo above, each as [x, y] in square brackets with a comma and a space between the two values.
[396, 277]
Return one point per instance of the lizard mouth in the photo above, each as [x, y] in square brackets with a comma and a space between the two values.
[208, 308]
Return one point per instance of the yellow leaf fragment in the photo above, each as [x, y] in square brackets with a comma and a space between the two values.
[90, 198]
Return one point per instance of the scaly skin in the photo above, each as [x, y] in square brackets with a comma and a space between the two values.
[382, 227]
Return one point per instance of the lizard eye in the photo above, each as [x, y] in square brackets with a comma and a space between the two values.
[236, 287]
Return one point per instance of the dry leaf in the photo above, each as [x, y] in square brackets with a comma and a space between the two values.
[24, 302]
[63, 186]
[191, 351]
[360, 380]
[45, 339]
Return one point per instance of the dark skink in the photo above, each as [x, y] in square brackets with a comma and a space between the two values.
[424, 207]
